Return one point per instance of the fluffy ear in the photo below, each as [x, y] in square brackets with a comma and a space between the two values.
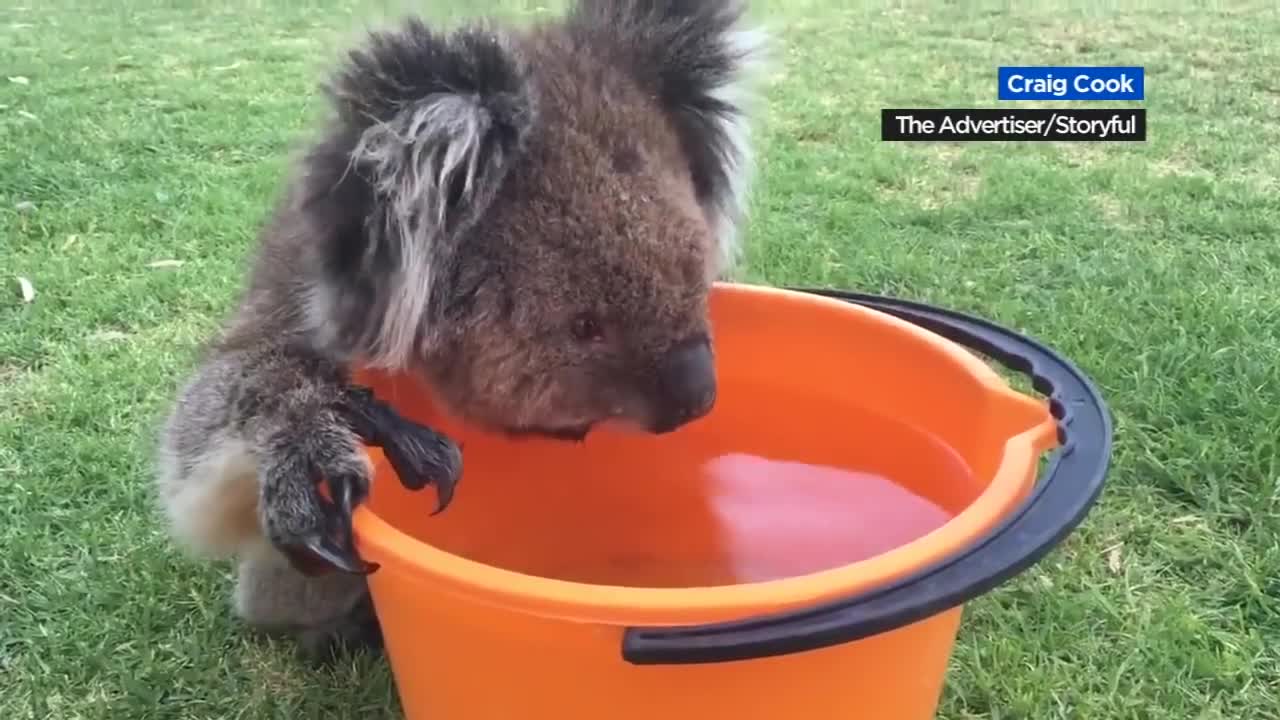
[694, 56]
[428, 125]
[439, 118]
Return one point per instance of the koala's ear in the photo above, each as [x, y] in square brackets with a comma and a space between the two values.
[695, 58]
[435, 120]
[428, 125]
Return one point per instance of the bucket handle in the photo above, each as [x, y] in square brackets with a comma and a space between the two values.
[1072, 483]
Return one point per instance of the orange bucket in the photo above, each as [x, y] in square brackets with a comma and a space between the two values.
[804, 551]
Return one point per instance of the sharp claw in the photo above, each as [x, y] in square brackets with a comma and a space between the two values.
[341, 552]
[344, 494]
[306, 561]
[321, 556]
[325, 553]
[341, 558]
[419, 455]
[412, 474]
[444, 496]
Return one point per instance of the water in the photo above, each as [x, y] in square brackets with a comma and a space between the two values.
[746, 497]
[767, 519]
[825, 517]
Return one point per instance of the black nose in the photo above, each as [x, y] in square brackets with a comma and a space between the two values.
[687, 385]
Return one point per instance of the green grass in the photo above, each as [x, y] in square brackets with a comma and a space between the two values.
[153, 131]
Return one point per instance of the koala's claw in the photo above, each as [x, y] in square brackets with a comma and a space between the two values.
[420, 455]
[335, 546]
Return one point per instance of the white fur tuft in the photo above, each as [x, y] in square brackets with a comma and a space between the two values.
[415, 160]
[748, 46]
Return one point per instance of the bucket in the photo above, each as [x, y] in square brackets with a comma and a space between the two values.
[803, 551]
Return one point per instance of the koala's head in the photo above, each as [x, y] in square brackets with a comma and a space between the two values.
[534, 218]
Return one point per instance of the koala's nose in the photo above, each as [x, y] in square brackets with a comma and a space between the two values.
[687, 378]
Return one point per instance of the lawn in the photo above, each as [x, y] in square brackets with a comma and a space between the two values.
[141, 142]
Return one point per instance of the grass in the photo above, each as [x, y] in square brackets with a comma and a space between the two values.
[133, 132]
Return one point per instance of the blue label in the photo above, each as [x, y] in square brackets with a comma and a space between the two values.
[1071, 83]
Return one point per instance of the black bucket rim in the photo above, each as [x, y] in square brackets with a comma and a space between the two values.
[1070, 486]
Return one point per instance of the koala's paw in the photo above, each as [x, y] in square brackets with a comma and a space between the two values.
[315, 532]
[419, 455]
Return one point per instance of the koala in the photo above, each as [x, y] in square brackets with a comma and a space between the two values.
[528, 217]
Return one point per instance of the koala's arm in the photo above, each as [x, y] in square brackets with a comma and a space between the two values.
[256, 430]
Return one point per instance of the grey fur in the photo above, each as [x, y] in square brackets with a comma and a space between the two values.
[413, 160]
[533, 236]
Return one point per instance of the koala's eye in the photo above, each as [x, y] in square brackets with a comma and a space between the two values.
[586, 327]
